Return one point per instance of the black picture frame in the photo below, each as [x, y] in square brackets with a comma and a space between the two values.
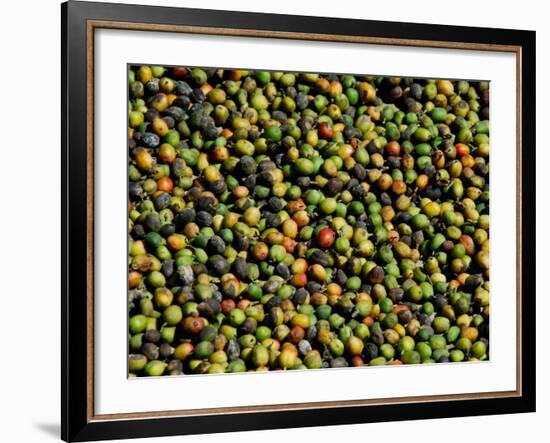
[77, 423]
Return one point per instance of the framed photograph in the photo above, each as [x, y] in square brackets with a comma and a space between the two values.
[276, 221]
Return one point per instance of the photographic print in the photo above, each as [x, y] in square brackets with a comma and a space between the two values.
[298, 221]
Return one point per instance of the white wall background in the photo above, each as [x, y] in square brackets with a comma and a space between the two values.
[30, 207]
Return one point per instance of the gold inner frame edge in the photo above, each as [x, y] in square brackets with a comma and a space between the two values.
[186, 29]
